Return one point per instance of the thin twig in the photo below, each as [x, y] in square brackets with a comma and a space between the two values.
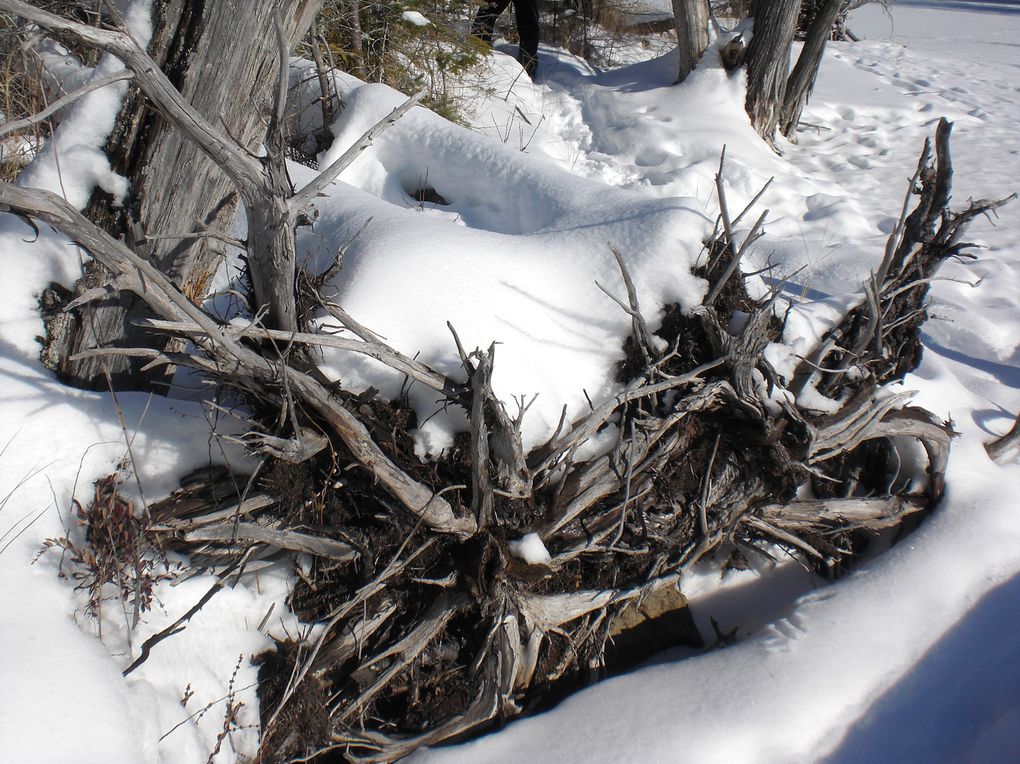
[303, 198]
[20, 124]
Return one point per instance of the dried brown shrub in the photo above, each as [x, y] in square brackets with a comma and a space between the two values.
[111, 552]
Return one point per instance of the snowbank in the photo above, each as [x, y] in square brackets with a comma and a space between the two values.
[911, 655]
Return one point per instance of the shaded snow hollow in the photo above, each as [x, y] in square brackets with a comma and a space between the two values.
[910, 658]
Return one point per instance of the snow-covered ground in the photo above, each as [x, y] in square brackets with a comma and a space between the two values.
[911, 658]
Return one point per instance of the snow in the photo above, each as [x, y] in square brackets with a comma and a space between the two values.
[530, 549]
[911, 657]
[521, 248]
[73, 162]
[415, 19]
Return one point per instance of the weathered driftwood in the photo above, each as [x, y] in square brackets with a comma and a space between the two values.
[372, 348]
[180, 516]
[304, 445]
[879, 339]
[999, 446]
[860, 512]
[244, 533]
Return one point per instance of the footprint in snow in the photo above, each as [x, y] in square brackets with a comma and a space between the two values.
[650, 157]
[887, 225]
[659, 178]
[781, 635]
[821, 206]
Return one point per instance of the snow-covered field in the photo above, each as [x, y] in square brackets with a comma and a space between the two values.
[911, 658]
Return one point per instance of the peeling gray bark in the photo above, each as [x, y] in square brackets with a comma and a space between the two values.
[802, 79]
[690, 18]
[222, 56]
[768, 62]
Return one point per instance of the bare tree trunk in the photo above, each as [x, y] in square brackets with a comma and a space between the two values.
[691, 20]
[768, 62]
[802, 80]
[357, 43]
[177, 191]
